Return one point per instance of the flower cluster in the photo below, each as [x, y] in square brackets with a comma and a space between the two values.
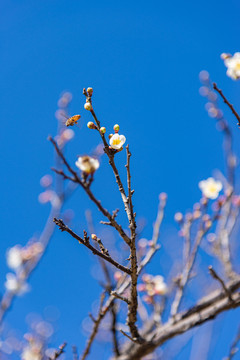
[152, 286]
[17, 257]
[233, 65]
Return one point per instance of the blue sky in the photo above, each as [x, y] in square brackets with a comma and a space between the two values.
[143, 60]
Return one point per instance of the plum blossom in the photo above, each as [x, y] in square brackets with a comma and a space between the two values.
[87, 164]
[14, 285]
[233, 65]
[210, 188]
[117, 141]
[153, 285]
[14, 257]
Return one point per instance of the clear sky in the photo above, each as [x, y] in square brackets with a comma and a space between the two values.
[143, 59]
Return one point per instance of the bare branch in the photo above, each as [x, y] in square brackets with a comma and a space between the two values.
[95, 328]
[227, 102]
[85, 242]
[120, 297]
[217, 277]
[59, 352]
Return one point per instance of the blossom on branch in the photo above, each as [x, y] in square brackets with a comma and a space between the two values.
[14, 257]
[14, 285]
[233, 65]
[87, 164]
[210, 188]
[117, 141]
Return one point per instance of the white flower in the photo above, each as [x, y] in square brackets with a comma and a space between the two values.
[210, 188]
[30, 353]
[14, 257]
[160, 288]
[233, 65]
[117, 141]
[13, 285]
[87, 164]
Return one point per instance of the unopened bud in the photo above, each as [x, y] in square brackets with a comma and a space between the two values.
[102, 130]
[225, 56]
[110, 135]
[88, 106]
[94, 236]
[90, 91]
[91, 125]
[116, 128]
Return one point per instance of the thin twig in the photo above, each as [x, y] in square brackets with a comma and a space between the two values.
[95, 328]
[85, 242]
[234, 349]
[59, 352]
[217, 277]
[120, 297]
[227, 102]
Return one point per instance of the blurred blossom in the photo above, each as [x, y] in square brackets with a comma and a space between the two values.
[233, 65]
[212, 96]
[143, 243]
[211, 237]
[67, 134]
[210, 188]
[14, 285]
[61, 115]
[163, 196]
[204, 76]
[50, 353]
[153, 285]
[32, 251]
[197, 214]
[203, 91]
[14, 257]
[44, 328]
[117, 275]
[213, 112]
[87, 164]
[46, 181]
[45, 196]
[117, 141]
[178, 217]
[189, 216]
[33, 351]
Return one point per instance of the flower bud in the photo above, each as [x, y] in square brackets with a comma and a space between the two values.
[116, 128]
[94, 236]
[88, 106]
[91, 125]
[110, 135]
[102, 130]
[90, 91]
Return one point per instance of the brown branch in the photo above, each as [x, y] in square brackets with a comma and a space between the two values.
[227, 102]
[110, 217]
[120, 297]
[95, 328]
[85, 242]
[217, 277]
[207, 309]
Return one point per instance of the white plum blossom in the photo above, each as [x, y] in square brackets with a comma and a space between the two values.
[31, 353]
[14, 285]
[233, 65]
[14, 257]
[87, 164]
[117, 141]
[159, 285]
[210, 188]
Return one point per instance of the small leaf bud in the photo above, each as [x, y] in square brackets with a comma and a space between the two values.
[110, 135]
